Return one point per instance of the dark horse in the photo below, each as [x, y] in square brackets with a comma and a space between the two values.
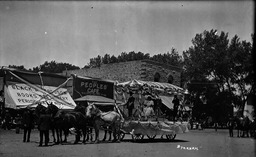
[100, 119]
[64, 120]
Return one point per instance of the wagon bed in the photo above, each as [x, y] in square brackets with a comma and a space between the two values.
[139, 129]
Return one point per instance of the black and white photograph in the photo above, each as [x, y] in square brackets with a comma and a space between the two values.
[121, 78]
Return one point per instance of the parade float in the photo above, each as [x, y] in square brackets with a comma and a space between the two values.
[158, 124]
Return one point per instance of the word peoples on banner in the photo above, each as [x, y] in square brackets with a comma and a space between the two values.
[84, 87]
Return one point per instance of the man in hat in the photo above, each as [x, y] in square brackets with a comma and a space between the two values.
[130, 104]
[27, 121]
[44, 126]
[176, 103]
[231, 125]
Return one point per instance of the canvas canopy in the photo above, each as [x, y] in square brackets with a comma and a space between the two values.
[164, 87]
[167, 101]
[23, 89]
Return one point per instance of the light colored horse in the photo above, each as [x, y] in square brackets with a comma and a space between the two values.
[110, 119]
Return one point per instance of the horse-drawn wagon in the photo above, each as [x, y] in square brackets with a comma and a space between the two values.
[143, 123]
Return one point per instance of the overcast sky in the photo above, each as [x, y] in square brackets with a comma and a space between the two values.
[32, 32]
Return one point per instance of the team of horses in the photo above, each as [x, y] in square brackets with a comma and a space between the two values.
[83, 118]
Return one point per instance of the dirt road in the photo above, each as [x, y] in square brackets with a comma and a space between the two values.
[193, 144]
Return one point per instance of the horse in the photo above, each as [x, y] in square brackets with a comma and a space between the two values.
[82, 108]
[66, 120]
[110, 119]
[52, 109]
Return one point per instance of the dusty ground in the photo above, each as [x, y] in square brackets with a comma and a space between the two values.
[194, 143]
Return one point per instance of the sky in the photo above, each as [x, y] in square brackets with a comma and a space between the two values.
[32, 32]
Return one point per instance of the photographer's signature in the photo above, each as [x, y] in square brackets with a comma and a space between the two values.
[187, 148]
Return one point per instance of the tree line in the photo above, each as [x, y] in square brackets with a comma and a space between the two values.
[217, 70]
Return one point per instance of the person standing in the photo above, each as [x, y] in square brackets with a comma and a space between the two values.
[8, 119]
[215, 126]
[44, 125]
[27, 121]
[230, 125]
[130, 104]
[176, 103]
[148, 109]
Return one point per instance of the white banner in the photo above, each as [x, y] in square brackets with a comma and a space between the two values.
[18, 95]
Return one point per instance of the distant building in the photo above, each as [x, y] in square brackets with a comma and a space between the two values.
[145, 70]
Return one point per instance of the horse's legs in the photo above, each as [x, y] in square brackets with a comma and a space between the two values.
[105, 135]
[88, 133]
[53, 134]
[78, 133]
[58, 136]
[243, 132]
[65, 134]
[91, 133]
[114, 134]
[96, 128]
[61, 131]
[110, 135]
[84, 134]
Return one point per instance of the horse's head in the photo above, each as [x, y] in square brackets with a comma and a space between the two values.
[52, 109]
[91, 110]
[40, 109]
[81, 109]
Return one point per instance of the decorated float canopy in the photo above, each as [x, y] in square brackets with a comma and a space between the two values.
[159, 86]
[27, 89]
[166, 91]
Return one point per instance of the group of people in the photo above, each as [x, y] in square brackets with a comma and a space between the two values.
[149, 108]
[44, 122]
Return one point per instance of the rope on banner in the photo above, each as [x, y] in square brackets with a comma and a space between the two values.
[43, 91]
[42, 83]
[50, 93]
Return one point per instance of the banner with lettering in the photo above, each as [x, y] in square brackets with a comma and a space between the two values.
[20, 95]
[89, 86]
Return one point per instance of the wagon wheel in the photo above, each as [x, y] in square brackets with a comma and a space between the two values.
[151, 137]
[171, 136]
[137, 137]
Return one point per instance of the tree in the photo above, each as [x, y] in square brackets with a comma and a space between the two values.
[54, 67]
[213, 62]
[21, 67]
[113, 59]
[106, 59]
[172, 58]
[95, 62]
